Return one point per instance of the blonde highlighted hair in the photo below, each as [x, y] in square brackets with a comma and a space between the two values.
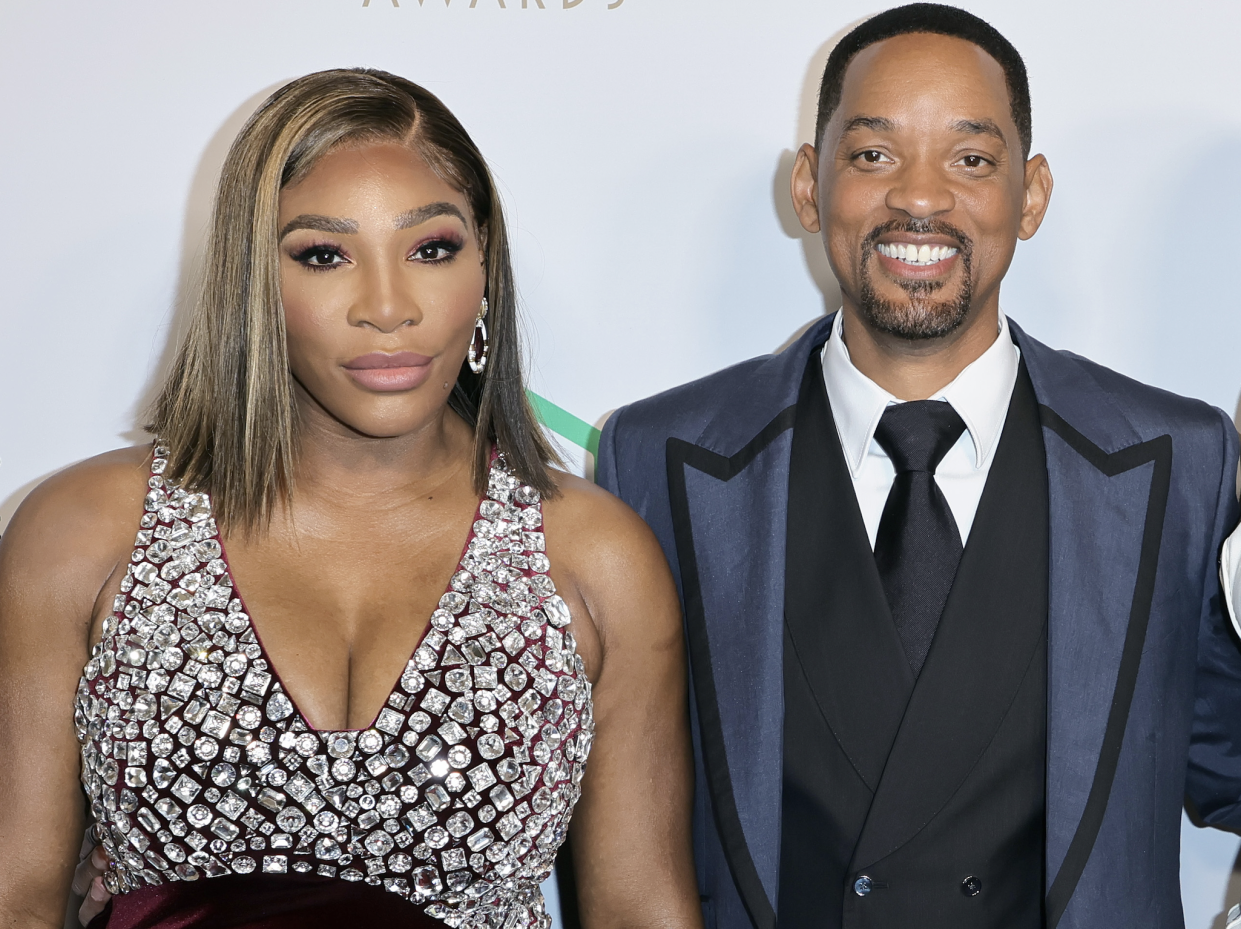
[226, 410]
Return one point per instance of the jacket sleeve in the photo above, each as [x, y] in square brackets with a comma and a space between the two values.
[1213, 781]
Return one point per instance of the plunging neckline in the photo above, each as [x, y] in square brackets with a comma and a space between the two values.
[271, 664]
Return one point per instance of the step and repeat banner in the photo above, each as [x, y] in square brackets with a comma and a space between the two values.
[643, 148]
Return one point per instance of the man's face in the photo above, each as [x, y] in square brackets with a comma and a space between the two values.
[922, 191]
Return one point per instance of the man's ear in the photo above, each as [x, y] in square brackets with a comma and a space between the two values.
[1039, 183]
[805, 187]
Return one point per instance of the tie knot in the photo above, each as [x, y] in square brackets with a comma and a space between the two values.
[917, 435]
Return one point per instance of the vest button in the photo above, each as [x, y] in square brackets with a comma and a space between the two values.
[971, 886]
[863, 885]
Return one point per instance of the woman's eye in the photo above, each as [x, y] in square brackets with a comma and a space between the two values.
[320, 256]
[433, 252]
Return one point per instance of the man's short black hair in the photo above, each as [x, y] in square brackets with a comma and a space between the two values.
[937, 19]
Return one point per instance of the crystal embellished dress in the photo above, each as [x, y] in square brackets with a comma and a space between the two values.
[219, 805]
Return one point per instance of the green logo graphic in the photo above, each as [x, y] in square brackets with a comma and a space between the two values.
[565, 424]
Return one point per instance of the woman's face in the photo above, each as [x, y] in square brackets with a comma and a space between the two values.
[381, 276]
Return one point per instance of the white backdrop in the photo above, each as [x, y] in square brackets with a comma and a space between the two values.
[643, 151]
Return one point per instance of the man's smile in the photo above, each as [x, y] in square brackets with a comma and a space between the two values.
[916, 255]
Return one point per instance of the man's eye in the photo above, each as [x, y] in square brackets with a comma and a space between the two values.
[872, 157]
[973, 161]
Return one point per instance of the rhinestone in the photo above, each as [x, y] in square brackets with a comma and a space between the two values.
[396, 755]
[435, 702]
[231, 806]
[502, 797]
[256, 681]
[307, 744]
[291, 819]
[370, 741]
[343, 769]
[199, 816]
[379, 843]
[299, 787]
[249, 717]
[411, 680]
[185, 789]
[400, 863]
[429, 747]
[389, 721]
[243, 865]
[437, 797]
[420, 818]
[490, 746]
[327, 848]
[509, 825]
[436, 837]
[225, 830]
[275, 864]
[453, 858]
[480, 840]
[279, 706]
[515, 677]
[459, 824]
[426, 883]
[451, 732]
[327, 821]
[273, 800]
[340, 744]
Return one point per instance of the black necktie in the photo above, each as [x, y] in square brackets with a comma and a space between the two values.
[918, 547]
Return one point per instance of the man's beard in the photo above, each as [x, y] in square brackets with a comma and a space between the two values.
[922, 317]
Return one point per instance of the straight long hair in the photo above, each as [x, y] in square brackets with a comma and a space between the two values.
[226, 410]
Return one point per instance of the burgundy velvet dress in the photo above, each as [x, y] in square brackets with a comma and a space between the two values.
[220, 806]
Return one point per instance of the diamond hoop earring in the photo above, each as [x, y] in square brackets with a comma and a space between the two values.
[477, 357]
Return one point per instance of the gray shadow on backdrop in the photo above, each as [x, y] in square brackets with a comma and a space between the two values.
[194, 229]
[813, 253]
[194, 232]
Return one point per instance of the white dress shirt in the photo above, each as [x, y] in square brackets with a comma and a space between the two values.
[980, 395]
[1230, 577]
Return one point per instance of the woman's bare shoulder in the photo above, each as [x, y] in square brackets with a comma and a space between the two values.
[79, 522]
[600, 533]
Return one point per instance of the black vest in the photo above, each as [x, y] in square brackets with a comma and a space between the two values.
[930, 792]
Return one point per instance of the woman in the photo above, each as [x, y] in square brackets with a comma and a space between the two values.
[350, 671]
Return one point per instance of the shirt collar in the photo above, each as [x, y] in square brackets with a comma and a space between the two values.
[980, 394]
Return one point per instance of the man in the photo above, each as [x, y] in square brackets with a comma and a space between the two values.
[956, 641]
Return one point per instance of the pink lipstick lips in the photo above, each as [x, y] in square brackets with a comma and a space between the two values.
[389, 373]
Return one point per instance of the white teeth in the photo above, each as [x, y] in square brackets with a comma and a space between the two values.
[917, 255]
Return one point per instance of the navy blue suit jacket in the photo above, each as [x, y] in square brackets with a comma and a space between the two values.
[1144, 674]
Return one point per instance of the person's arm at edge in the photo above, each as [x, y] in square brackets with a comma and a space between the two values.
[1213, 782]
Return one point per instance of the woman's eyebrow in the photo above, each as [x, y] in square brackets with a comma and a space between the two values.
[411, 218]
[321, 223]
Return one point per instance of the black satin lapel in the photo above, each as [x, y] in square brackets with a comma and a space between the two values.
[834, 606]
[713, 712]
[993, 624]
[1158, 453]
